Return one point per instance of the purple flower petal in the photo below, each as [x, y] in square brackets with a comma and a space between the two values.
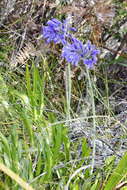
[57, 31]
[77, 52]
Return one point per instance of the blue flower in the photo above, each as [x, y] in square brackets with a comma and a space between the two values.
[57, 31]
[77, 51]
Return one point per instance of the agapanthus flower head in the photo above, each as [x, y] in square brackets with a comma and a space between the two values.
[77, 52]
[57, 31]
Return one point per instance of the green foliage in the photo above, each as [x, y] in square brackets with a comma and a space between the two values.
[37, 108]
[4, 49]
[118, 174]
[36, 147]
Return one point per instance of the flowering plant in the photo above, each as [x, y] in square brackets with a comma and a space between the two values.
[77, 51]
[57, 31]
[73, 52]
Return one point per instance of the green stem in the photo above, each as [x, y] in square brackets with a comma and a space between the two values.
[94, 120]
[68, 91]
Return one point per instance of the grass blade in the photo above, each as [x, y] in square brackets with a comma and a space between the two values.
[119, 172]
[15, 177]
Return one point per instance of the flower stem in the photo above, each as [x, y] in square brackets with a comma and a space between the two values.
[68, 91]
[94, 120]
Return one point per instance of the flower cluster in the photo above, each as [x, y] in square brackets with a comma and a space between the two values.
[75, 51]
[57, 31]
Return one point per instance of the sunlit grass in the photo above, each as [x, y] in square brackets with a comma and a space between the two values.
[50, 112]
[35, 144]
